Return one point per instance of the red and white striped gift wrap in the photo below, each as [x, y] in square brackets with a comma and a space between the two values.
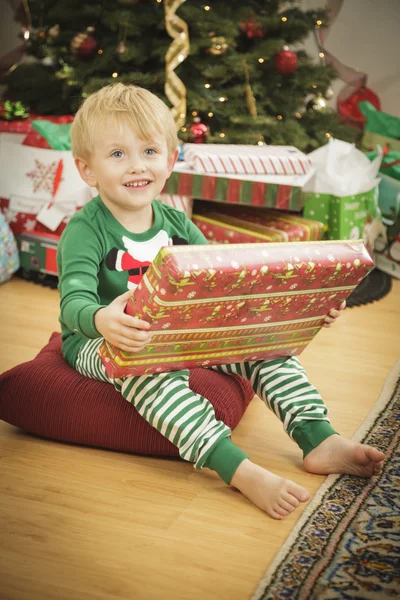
[183, 203]
[246, 159]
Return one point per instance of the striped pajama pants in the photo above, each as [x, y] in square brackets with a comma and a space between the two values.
[188, 419]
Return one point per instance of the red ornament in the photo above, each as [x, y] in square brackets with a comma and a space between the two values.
[349, 112]
[199, 131]
[83, 45]
[252, 29]
[286, 62]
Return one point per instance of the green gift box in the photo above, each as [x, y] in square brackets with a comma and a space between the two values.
[344, 217]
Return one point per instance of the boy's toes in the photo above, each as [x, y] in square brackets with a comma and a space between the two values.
[286, 506]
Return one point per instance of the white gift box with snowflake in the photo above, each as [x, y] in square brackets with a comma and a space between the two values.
[32, 177]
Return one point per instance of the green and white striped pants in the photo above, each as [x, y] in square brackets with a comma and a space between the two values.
[188, 419]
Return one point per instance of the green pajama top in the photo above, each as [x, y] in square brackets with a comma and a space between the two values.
[98, 260]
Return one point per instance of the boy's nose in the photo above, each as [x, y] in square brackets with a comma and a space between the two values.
[137, 168]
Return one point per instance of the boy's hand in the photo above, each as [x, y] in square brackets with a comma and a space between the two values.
[126, 332]
[334, 314]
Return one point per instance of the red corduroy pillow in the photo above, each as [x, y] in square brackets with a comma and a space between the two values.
[45, 396]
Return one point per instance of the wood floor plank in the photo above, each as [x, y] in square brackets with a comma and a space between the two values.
[79, 523]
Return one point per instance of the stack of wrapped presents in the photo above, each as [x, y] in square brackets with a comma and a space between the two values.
[234, 193]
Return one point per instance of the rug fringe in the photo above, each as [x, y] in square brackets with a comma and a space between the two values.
[384, 398]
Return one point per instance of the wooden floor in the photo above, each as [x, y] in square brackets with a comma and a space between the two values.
[78, 523]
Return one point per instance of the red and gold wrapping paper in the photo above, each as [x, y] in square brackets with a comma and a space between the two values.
[288, 227]
[224, 229]
[219, 304]
[250, 192]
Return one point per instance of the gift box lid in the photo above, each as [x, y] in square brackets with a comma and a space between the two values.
[227, 303]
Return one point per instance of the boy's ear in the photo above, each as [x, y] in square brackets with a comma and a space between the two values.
[172, 161]
[85, 171]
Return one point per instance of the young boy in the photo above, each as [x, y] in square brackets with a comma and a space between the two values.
[125, 144]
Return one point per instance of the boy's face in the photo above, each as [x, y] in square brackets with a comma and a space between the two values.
[129, 172]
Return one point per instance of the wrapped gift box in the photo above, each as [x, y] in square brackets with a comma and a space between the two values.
[25, 125]
[183, 203]
[282, 192]
[218, 304]
[28, 179]
[287, 227]
[246, 159]
[225, 229]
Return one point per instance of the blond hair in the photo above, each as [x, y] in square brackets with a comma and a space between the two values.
[148, 116]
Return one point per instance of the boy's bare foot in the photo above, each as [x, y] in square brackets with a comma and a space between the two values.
[341, 455]
[275, 495]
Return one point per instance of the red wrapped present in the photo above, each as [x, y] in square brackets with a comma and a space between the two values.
[25, 125]
[225, 229]
[289, 227]
[283, 192]
[219, 304]
[183, 203]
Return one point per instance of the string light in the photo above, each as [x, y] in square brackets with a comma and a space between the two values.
[327, 134]
[298, 115]
[279, 117]
[207, 7]
[183, 128]
[159, 1]
[260, 60]
[319, 23]
[223, 99]
[181, 57]
[260, 143]
[314, 86]
[222, 135]
[194, 113]
[182, 115]
[27, 34]
[115, 75]
[284, 19]
[321, 55]
[210, 114]
[207, 85]
[100, 51]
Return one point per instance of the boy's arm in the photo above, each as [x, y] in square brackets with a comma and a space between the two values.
[79, 256]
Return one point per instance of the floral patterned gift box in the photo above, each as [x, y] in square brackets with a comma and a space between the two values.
[219, 304]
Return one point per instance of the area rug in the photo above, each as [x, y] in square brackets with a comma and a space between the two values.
[346, 544]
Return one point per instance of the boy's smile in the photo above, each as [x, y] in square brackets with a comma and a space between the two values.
[128, 171]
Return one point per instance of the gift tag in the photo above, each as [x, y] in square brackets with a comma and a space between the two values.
[51, 216]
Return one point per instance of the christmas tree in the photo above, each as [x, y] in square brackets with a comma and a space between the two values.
[241, 71]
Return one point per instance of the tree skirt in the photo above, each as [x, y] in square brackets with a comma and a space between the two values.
[373, 287]
[347, 542]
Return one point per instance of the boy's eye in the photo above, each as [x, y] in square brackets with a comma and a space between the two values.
[150, 151]
[117, 154]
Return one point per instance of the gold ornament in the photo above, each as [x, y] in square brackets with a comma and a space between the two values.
[318, 104]
[219, 46]
[250, 100]
[121, 48]
[176, 54]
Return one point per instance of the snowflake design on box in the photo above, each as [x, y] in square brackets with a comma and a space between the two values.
[43, 176]
[30, 224]
[10, 215]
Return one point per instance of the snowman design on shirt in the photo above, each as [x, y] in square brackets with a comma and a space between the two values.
[137, 256]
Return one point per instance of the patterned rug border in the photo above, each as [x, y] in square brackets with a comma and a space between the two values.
[385, 396]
